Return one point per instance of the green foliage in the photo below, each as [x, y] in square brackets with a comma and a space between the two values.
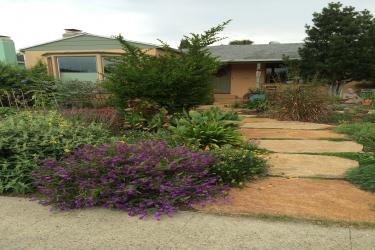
[237, 165]
[362, 132]
[369, 96]
[173, 80]
[207, 129]
[364, 176]
[241, 42]
[339, 45]
[183, 44]
[13, 77]
[145, 115]
[79, 94]
[28, 137]
[23, 88]
[7, 111]
[257, 100]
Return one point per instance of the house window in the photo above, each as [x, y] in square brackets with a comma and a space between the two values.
[77, 64]
[276, 73]
[107, 63]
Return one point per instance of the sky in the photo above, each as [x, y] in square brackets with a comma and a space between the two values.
[31, 22]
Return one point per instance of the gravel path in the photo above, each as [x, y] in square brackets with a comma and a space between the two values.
[27, 225]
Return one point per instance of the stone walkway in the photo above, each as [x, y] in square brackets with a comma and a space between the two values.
[301, 185]
[287, 140]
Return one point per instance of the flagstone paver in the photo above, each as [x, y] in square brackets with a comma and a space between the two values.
[270, 123]
[333, 200]
[301, 165]
[309, 146]
[289, 134]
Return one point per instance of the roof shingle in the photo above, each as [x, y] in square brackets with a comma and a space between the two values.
[256, 52]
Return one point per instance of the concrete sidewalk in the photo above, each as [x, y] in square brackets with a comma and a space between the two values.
[27, 225]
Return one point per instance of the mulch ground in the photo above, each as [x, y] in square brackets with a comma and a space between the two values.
[331, 200]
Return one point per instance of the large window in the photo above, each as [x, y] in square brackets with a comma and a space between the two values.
[77, 64]
[276, 73]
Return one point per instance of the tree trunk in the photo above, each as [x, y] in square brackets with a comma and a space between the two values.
[336, 88]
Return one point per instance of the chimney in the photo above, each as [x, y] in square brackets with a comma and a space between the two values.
[71, 32]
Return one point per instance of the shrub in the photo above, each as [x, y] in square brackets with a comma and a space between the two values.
[79, 94]
[27, 137]
[301, 103]
[362, 132]
[206, 130]
[19, 87]
[108, 117]
[174, 79]
[237, 165]
[144, 178]
[364, 176]
[7, 111]
[145, 115]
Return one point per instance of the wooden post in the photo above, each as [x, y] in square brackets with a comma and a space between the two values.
[258, 75]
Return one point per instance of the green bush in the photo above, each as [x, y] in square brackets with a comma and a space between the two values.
[20, 87]
[145, 115]
[174, 79]
[364, 176]
[28, 137]
[206, 130]
[300, 103]
[235, 166]
[79, 94]
[362, 132]
[7, 111]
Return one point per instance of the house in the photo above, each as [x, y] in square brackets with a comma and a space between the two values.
[250, 67]
[79, 55]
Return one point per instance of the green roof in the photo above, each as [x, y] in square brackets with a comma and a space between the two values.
[85, 41]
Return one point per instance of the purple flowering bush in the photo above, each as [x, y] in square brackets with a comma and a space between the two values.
[145, 178]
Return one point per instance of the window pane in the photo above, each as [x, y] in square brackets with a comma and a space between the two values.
[108, 64]
[84, 64]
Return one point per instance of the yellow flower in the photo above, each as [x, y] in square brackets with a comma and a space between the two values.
[53, 141]
[122, 141]
[66, 150]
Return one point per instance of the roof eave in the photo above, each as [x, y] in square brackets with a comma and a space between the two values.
[254, 60]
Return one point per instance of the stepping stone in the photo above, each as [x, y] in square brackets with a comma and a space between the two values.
[332, 200]
[289, 133]
[270, 123]
[253, 118]
[300, 165]
[309, 146]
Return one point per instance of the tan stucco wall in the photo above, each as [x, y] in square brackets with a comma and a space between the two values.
[243, 77]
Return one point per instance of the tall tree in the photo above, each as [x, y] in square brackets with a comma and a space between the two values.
[339, 46]
[183, 44]
[241, 42]
[174, 80]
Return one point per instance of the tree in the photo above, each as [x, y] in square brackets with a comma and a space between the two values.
[241, 42]
[183, 44]
[339, 46]
[175, 80]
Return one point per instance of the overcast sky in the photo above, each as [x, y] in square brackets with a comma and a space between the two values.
[31, 22]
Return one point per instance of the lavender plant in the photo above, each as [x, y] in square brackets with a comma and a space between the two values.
[145, 178]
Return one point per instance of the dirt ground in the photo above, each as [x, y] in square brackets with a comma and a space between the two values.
[289, 134]
[332, 200]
